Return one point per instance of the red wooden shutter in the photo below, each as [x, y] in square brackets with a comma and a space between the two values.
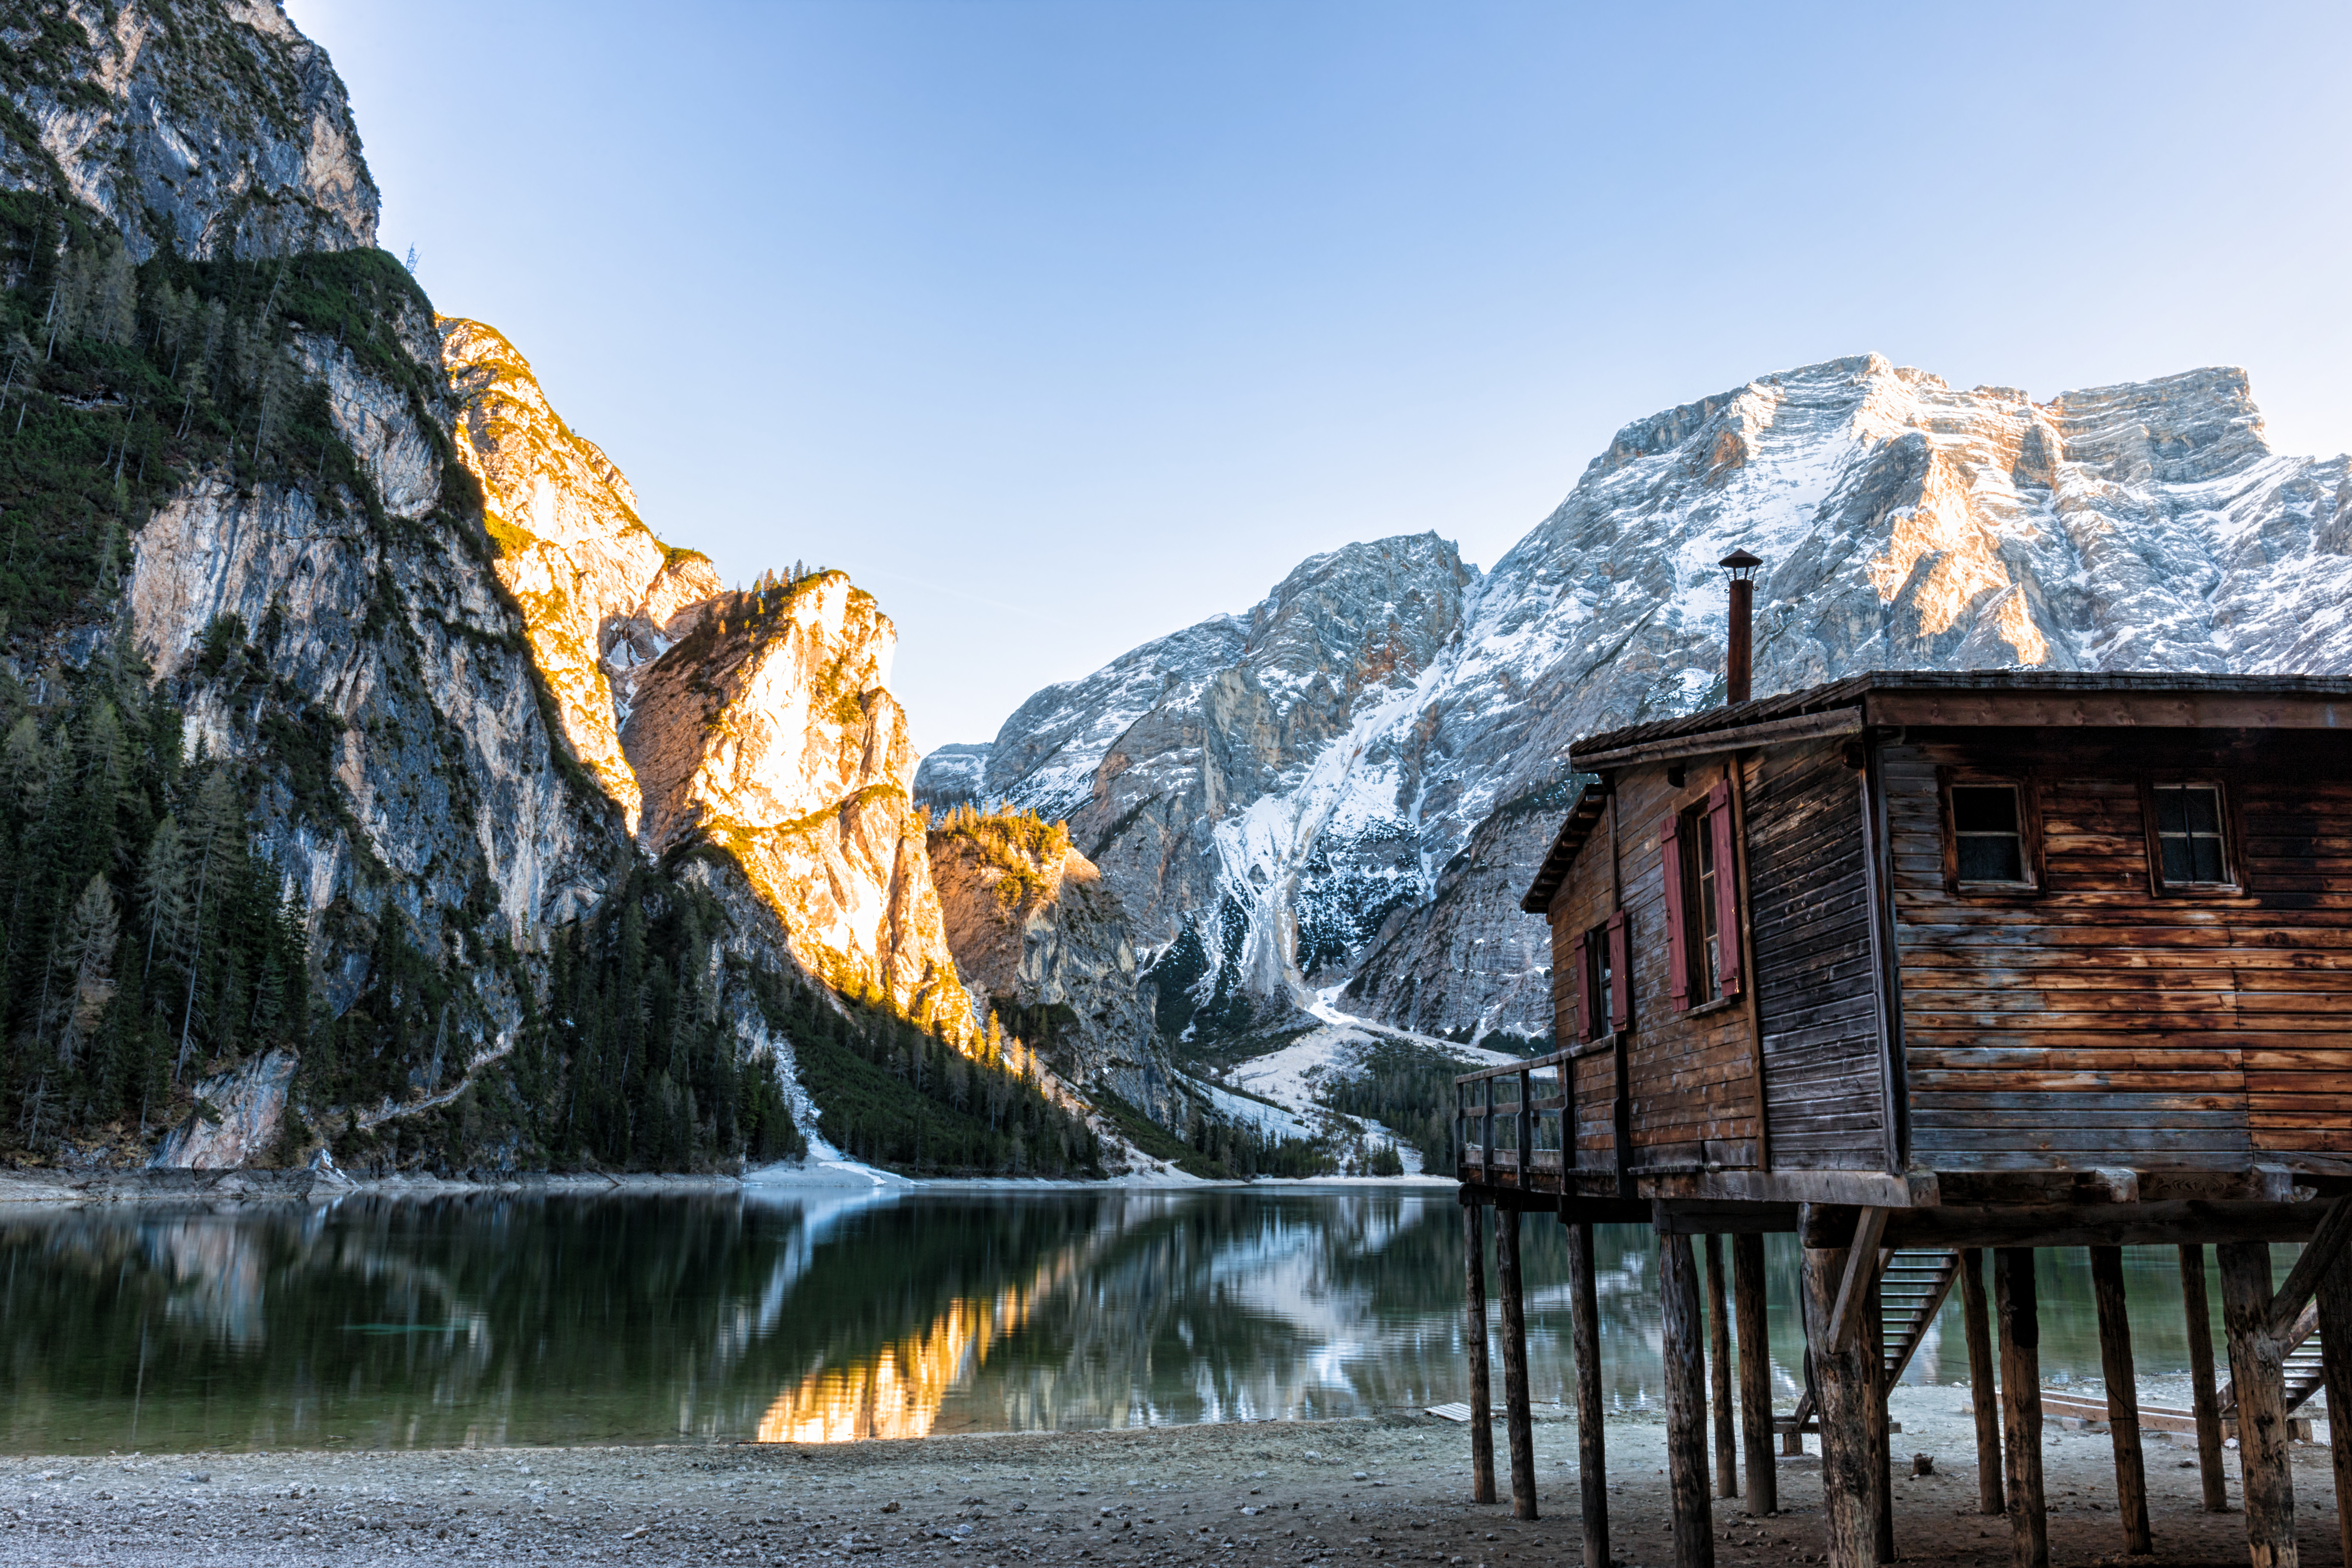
[1727, 888]
[1583, 962]
[1670, 866]
[1621, 974]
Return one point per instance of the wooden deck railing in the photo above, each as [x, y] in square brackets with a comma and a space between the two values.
[1502, 1113]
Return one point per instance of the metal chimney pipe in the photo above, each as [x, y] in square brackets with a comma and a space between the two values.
[1739, 647]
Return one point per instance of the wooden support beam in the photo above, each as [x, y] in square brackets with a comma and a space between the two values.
[2326, 1245]
[2123, 1397]
[2101, 1225]
[2257, 1368]
[1875, 1433]
[1984, 1388]
[1842, 1385]
[2202, 1399]
[1592, 1454]
[2020, 1406]
[1691, 1518]
[2334, 1299]
[1518, 1418]
[1861, 1271]
[1749, 1308]
[1718, 1372]
[1481, 1413]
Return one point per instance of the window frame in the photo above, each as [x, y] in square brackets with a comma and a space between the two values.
[2029, 834]
[2233, 836]
[1712, 819]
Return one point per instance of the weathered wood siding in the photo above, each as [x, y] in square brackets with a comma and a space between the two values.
[1808, 910]
[2101, 1022]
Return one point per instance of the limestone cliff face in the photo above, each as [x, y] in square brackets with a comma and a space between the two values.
[601, 597]
[770, 732]
[1042, 941]
[209, 131]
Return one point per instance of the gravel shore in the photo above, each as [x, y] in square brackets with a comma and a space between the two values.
[1264, 1492]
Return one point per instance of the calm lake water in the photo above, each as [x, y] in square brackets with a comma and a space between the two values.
[824, 1316]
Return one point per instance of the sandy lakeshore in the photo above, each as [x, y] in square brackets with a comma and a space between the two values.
[1393, 1489]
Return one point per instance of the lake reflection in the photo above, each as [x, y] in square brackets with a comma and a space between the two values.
[820, 1316]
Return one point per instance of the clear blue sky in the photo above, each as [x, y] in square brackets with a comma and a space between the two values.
[1061, 325]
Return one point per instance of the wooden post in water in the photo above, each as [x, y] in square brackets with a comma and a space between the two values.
[2335, 1362]
[1482, 1414]
[2021, 1405]
[1881, 1440]
[2201, 1395]
[1719, 1372]
[2123, 1397]
[1984, 1388]
[1842, 1387]
[1517, 1418]
[2257, 1369]
[1756, 1372]
[1693, 1521]
[1591, 1459]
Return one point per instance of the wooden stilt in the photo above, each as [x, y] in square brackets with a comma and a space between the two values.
[2202, 1398]
[1517, 1418]
[1756, 1372]
[2336, 1358]
[2257, 1368]
[2123, 1397]
[1842, 1387]
[1481, 1413]
[1591, 1459]
[1984, 1391]
[2021, 1405]
[1718, 1372]
[1881, 1441]
[1692, 1520]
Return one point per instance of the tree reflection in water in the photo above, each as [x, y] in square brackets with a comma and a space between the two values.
[816, 1315]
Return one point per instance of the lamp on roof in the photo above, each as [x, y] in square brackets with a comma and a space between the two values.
[1739, 647]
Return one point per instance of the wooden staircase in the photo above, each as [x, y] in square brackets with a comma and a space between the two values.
[2304, 1376]
[1912, 1284]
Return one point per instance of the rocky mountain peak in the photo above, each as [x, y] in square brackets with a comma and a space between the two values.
[208, 130]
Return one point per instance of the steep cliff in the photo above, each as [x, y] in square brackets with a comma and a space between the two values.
[1905, 524]
[1043, 942]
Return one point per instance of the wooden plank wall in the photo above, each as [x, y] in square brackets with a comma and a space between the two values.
[1825, 1086]
[2104, 1024]
[1692, 1093]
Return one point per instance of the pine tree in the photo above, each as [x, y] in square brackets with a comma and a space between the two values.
[82, 972]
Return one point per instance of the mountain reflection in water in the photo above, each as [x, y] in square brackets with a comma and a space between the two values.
[813, 1315]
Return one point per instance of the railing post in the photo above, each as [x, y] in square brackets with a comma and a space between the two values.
[1526, 1132]
[1486, 1126]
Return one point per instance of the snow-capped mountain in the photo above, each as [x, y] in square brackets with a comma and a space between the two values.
[1352, 781]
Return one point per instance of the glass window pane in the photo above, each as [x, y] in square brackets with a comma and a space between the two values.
[2170, 816]
[2208, 859]
[2204, 810]
[2178, 865]
[1984, 808]
[1992, 859]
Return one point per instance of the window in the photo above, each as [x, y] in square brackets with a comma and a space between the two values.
[1988, 835]
[1603, 999]
[1702, 888]
[2191, 847]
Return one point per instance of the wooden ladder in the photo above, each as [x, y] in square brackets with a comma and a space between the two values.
[2303, 1375]
[1912, 1283]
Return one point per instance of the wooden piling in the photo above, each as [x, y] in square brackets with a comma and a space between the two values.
[1876, 1434]
[1481, 1413]
[2257, 1369]
[2020, 1406]
[1842, 1385]
[1718, 1372]
[1984, 1389]
[2123, 1397]
[1749, 1308]
[1517, 1418]
[1692, 1518]
[1591, 1458]
[2202, 1398]
[2335, 1298]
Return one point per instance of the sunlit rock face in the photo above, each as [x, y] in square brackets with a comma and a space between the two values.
[1037, 935]
[1904, 524]
[212, 131]
[601, 596]
[771, 732]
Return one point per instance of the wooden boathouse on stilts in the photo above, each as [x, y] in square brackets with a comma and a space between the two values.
[1935, 970]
